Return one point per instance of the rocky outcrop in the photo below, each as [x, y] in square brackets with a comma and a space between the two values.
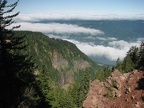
[67, 68]
[58, 62]
[118, 91]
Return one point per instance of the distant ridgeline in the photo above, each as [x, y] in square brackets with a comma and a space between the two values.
[60, 60]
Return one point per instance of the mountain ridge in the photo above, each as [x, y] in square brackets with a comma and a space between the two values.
[58, 58]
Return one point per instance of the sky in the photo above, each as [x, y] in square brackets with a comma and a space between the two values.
[81, 7]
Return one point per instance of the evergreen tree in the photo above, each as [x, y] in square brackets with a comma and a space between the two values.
[118, 64]
[128, 64]
[134, 53]
[16, 77]
[131, 60]
[141, 56]
[80, 90]
[134, 59]
[106, 72]
[44, 90]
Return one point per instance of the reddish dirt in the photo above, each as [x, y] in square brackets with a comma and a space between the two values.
[128, 91]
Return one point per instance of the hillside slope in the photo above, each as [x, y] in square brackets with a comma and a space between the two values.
[61, 60]
[119, 91]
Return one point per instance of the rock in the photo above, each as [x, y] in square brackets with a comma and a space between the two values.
[132, 97]
[97, 90]
[117, 93]
[137, 104]
[127, 90]
[122, 92]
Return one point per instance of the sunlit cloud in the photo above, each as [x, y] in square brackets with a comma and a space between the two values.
[57, 28]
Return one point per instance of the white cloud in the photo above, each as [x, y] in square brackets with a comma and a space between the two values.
[51, 16]
[57, 28]
[112, 38]
[99, 50]
[121, 44]
[102, 38]
[115, 50]
[107, 38]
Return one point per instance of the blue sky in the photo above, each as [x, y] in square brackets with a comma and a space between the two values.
[81, 6]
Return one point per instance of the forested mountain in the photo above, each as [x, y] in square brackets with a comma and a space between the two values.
[61, 60]
[62, 70]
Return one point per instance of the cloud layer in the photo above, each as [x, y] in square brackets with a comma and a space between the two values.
[115, 49]
[49, 16]
[57, 28]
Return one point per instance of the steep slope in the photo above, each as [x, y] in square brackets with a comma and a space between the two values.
[119, 91]
[61, 60]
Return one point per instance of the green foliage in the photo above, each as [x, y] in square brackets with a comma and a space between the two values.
[102, 75]
[134, 59]
[128, 64]
[65, 100]
[118, 64]
[70, 98]
[141, 56]
[80, 90]
[109, 93]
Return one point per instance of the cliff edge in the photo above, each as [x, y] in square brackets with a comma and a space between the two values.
[118, 91]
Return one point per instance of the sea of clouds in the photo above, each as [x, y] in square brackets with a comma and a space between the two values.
[56, 28]
[115, 48]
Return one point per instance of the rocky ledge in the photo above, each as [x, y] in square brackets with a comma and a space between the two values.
[118, 91]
